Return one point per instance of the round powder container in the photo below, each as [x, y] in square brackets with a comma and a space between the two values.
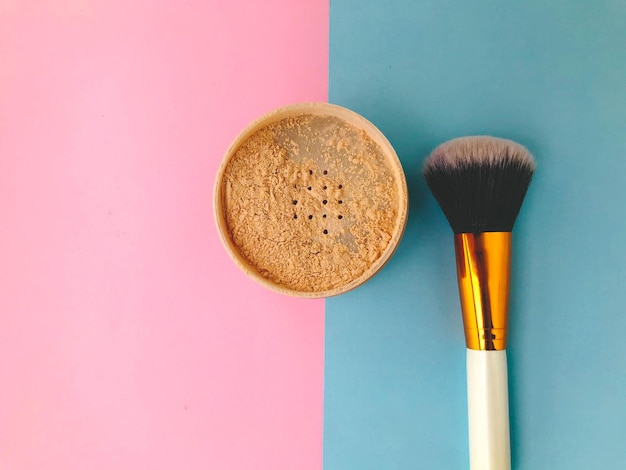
[311, 200]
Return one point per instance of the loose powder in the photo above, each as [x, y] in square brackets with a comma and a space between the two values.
[310, 202]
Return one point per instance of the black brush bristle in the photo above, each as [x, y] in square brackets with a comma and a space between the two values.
[479, 182]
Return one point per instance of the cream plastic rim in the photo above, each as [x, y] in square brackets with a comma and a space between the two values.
[316, 109]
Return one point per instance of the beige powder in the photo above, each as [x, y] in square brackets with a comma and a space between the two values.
[310, 202]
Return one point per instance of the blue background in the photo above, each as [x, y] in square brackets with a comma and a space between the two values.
[552, 76]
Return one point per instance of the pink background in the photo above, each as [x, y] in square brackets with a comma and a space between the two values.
[128, 339]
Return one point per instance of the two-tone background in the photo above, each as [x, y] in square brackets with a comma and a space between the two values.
[128, 340]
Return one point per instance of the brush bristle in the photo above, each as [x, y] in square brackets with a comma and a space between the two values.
[479, 182]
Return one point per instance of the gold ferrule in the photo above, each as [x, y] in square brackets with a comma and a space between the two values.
[483, 263]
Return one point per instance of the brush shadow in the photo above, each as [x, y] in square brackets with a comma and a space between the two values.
[519, 321]
[513, 371]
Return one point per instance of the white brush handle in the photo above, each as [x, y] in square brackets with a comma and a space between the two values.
[488, 410]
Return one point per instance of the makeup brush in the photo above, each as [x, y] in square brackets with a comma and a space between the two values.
[480, 183]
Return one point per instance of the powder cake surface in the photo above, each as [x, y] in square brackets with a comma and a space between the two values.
[310, 202]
